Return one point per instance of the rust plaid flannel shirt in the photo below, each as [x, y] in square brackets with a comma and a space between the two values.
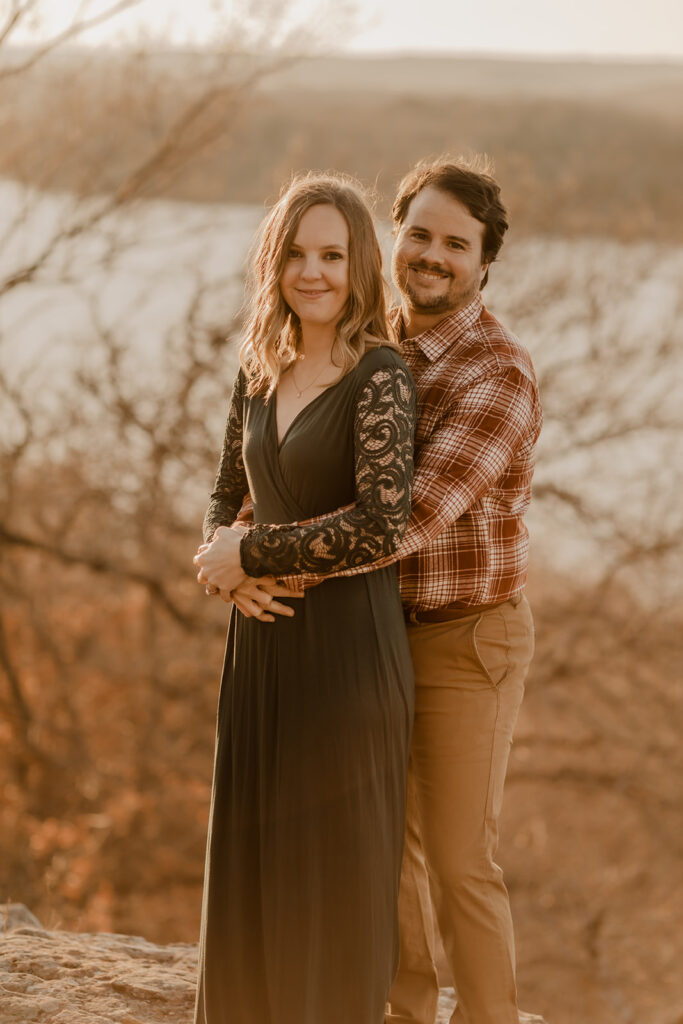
[479, 417]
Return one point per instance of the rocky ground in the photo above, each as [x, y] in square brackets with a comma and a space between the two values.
[60, 977]
[67, 978]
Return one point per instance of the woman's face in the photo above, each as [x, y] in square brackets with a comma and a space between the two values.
[315, 279]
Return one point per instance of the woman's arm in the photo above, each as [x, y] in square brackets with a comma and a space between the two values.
[231, 479]
[384, 429]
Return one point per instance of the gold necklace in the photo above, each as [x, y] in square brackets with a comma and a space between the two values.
[300, 391]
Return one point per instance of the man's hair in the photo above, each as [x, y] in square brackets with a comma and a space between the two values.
[471, 182]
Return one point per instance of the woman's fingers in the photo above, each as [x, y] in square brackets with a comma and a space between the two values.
[255, 598]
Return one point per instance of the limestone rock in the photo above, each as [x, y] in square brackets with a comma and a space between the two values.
[14, 915]
[52, 977]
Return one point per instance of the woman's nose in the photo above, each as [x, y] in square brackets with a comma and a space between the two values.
[311, 268]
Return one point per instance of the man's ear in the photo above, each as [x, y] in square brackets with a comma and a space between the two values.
[483, 277]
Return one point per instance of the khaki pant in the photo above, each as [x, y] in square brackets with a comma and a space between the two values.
[469, 676]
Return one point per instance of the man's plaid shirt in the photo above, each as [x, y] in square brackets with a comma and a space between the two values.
[479, 417]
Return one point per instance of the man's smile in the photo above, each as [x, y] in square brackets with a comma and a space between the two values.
[429, 275]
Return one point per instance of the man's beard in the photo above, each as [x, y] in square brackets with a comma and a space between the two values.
[457, 296]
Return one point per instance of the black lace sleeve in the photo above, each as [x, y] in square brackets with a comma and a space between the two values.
[383, 443]
[231, 480]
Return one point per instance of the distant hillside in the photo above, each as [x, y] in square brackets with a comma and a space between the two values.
[579, 147]
[654, 88]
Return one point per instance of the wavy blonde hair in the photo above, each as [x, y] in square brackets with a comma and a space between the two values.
[272, 329]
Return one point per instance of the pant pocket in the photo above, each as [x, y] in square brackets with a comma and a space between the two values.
[491, 645]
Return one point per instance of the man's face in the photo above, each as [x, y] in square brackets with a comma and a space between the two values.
[436, 262]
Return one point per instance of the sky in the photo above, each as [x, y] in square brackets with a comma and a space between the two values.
[610, 28]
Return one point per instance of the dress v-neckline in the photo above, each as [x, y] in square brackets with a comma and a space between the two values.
[280, 441]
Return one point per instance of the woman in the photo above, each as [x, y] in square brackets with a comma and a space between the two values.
[304, 851]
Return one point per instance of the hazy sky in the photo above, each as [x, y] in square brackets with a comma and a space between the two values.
[593, 27]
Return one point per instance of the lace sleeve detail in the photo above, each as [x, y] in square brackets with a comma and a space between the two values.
[383, 444]
[231, 480]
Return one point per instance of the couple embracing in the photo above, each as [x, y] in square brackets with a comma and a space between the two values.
[367, 528]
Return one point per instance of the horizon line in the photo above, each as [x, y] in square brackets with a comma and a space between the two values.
[541, 56]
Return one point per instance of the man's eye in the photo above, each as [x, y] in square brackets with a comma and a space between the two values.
[455, 245]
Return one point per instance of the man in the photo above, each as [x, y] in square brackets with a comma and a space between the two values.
[462, 571]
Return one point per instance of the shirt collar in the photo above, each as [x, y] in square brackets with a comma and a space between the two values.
[434, 342]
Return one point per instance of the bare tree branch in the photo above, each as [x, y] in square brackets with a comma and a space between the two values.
[77, 28]
[104, 567]
[15, 14]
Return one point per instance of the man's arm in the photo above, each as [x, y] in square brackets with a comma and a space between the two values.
[470, 451]
[461, 461]
[245, 516]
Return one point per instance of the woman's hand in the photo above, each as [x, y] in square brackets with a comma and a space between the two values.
[219, 562]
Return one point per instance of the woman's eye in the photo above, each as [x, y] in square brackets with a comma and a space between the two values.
[292, 254]
[333, 256]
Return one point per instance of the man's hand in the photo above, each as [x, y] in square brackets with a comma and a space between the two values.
[255, 598]
[219, 562]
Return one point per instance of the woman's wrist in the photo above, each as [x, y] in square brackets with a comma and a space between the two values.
[245, 553]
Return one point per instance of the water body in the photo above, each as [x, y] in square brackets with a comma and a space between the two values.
[602, 319]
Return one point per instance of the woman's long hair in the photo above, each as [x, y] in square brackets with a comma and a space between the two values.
[273, 330]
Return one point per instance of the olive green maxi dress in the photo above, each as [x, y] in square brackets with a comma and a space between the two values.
[299, 920]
